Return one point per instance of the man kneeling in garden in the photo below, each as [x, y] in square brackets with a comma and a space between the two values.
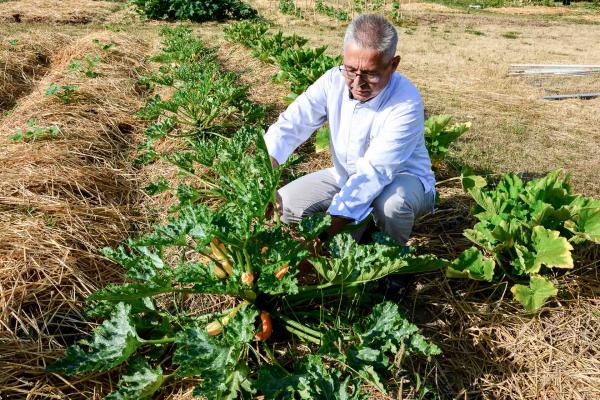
[376, 120]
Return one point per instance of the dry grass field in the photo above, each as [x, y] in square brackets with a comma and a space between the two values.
[61, 201]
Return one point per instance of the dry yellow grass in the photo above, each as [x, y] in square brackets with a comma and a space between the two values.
[61, 200]
[24, 58]
[56, 11]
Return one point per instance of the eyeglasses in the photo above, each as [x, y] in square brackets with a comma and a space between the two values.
[370, 77]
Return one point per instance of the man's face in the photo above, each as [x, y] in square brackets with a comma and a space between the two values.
[372, 73]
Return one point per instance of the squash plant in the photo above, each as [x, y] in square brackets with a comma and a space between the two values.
[230, 248]
[440, 134]
[194, 10]
[299, 66]
[205, 101]
[525, 230]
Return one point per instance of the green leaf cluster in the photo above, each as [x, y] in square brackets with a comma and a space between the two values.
[525, 230]
[204, 102]
[33, 132]
[62, 92]
[440, 134]
[289, 8]
[336, 13]
[194, 10]
[299, 66]
[343, 363]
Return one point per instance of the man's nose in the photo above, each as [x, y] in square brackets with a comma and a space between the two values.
[359, 80]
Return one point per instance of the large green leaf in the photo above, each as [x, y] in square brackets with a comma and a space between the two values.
[439, 134]
[113, 342]
[385, 332]
[140, 382]
[586, 223]
[534, 296]
[311, 380]
[471, 264]
[550, 249]
[216, 359]
[311, 227]
[322, 139]
[351, 262]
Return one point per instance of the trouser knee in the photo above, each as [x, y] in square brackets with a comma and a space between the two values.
[396, 218]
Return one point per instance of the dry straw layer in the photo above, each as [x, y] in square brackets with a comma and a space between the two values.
[24, 58]
[60, 201]
[57, 11]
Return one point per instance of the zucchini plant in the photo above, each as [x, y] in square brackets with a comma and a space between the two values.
[194, 10]
[439, 134]
[299, 66]
[204, 101]
[525, 230]
[231, 248]
[336, 13]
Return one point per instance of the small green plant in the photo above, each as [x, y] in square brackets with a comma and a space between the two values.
[303, 66]
[104, 46]
[339, 14]
[511, 35]
[288, 7]
[13, 42]
[63, 92]
[525, 231]
[160, 186]
[87, 66]
[33, 132]
[90, 66]
[440, 134]
[472, 31]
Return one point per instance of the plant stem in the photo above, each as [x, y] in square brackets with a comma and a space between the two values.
[158, 341]
[303, 328]
[303, 335]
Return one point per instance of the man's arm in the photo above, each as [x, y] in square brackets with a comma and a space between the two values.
[295, 125]
[385, 157]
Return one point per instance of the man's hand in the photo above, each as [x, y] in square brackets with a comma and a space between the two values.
[337, 223]
[278, 205]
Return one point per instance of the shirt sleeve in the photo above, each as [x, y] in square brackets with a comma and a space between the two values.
[384, 157]
[305, 115]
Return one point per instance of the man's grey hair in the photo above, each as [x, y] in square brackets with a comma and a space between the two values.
[372, 31]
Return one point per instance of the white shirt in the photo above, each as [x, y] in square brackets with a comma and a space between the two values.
[370, 141]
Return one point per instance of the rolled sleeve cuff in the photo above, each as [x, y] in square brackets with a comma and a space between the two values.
[277, 149]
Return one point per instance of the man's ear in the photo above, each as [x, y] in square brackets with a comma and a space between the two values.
[395, 62]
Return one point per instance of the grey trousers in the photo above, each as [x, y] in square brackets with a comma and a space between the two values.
[394, 210]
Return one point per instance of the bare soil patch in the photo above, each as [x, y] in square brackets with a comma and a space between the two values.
[57, 11]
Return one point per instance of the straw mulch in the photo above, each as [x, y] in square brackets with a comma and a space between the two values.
[57, 11]
[61, 200]
[24, 59]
